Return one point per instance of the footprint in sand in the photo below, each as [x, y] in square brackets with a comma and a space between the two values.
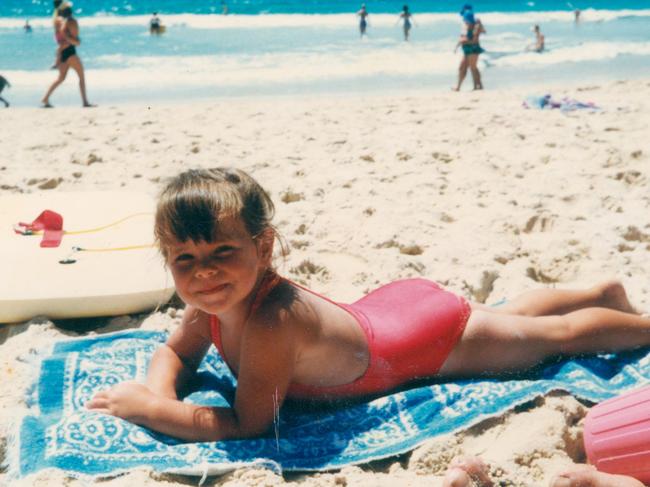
[633, 234]
[631, 177]
[482, 292]
[307, 270]
[290, 197]
[50, 183]
[539, 223]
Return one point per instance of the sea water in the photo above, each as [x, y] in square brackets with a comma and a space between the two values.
[313, 47]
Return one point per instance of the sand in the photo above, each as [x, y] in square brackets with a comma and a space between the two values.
[469, 189]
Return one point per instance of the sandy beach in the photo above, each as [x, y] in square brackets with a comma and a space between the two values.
[472, 190]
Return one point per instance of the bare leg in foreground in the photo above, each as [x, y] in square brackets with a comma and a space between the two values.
[588, 476]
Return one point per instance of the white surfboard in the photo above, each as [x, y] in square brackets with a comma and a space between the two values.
[118, 270]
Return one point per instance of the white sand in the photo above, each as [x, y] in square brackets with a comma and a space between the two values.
[467, 189]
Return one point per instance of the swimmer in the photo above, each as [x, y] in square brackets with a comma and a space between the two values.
[4, 84]
[538, 45]
[363, 19]
[281, 340]
[27, 27]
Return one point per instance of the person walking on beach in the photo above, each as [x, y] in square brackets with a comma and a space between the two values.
[538, 45]
[363, 19]
[469, 43]
[69, 33]
[4, 83]
[406, 17]
[281, 340]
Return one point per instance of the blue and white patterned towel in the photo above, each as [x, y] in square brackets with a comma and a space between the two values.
[59, 433]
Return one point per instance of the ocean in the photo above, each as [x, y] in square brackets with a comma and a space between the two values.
[287, 47]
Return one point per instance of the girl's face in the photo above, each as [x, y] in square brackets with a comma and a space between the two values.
[217, 276]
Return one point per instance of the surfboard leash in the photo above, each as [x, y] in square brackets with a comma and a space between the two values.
[71, 260]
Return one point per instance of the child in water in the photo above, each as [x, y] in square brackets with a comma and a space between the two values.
[214, 228]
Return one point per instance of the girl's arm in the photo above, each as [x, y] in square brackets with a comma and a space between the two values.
[173, 364]
[267, 355]
[266, 365]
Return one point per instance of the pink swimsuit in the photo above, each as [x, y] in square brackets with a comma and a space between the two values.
[411, 327]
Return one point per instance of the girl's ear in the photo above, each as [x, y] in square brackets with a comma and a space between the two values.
[265, 242]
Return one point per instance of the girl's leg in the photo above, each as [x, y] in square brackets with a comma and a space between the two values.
[496, 343]
[462, 72]
[543, 302]
[75, 63]
[63, 72]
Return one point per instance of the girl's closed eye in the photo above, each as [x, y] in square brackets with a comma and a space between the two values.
[223, 252]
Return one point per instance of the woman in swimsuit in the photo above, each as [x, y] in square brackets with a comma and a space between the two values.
[469, 43]
[69, 33]
[282, 340]
[406, 17]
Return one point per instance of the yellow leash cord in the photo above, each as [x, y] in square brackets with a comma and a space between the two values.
[96, 229]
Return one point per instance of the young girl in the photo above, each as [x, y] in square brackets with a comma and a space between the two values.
[282, 340]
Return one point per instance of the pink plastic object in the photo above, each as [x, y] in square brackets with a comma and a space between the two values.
[617, 435]
[50, 222]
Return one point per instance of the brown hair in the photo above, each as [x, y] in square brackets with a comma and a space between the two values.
[194, 203]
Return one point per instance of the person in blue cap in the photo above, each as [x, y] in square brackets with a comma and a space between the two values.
[469, 42]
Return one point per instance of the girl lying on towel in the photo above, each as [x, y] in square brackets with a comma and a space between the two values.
[282, 340]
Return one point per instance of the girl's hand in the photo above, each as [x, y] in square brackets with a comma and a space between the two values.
[128, 400]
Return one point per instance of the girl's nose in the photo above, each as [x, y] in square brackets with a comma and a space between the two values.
[206, 271]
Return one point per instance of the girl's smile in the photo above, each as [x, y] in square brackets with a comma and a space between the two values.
[215, 276]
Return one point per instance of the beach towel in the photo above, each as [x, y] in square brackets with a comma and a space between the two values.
[565, 104]
[57, 431]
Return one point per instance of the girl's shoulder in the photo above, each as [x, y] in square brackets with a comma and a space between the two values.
[286, 307]
[197, 320]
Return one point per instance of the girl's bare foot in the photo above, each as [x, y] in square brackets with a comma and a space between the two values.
[613, 296]
[466, 471]
[588, 476]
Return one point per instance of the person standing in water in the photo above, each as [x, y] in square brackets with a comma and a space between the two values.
[27, 28]
[363, 19]
[469, 42]
[155, 24]
[69, 33]
[538, 45]
[406, 17]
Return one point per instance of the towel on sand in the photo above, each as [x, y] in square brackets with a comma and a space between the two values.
[58, 432]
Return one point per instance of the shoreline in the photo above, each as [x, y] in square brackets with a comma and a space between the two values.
[69, 95]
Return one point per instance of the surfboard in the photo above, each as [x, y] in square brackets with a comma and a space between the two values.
[105, 264]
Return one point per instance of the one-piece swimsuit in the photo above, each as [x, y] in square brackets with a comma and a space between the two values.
[411, 327]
